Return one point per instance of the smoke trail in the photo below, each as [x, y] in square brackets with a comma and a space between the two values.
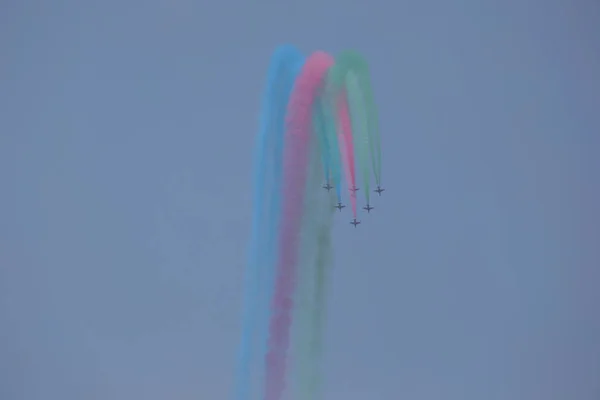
[318, 127]
[310, 295]
[329, 134]
[360, 130]
[351, 72]
[347, 146]
[299, 127]
[301, 326]
[323, 262]
[314, 256]
[351, 61]
[307, 130]
[290, 68]
[284, 66]
[335, 95]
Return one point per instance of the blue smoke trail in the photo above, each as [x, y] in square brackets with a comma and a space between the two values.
[285, 64]
[292, 62]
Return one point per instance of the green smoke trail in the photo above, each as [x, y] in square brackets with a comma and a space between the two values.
[321, 125]
[322, 264]
[352, 61]
[315, 257]
[360, 130]
[327, 115]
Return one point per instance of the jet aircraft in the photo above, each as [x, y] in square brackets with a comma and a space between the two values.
[354, 189]
[368, 208]
[340, 206]
[355, 222]
[379, 190]
[327, 186]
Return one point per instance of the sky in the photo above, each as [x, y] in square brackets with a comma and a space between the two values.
[126, 130]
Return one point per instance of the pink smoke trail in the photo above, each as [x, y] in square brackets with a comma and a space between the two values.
[297, 140]
[346, 146]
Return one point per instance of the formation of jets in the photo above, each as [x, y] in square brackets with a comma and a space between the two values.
[368, 207]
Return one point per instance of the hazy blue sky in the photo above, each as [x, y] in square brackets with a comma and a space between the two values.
[125, 135]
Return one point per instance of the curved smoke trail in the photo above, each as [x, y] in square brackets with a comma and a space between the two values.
[360, 130]
[351, 62]
[285, 65]
[329, 136]
[347, 146]
[315, 257]
[298, 134]
[319, 125]
[315, 115]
